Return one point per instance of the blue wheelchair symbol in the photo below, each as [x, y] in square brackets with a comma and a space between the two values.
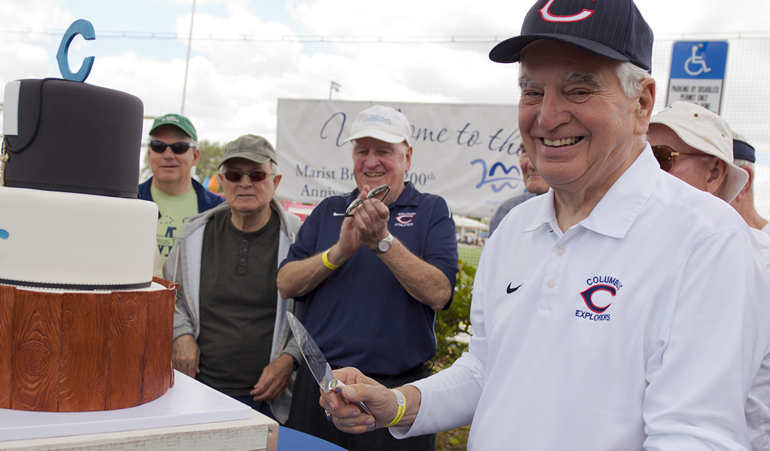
[696, 61]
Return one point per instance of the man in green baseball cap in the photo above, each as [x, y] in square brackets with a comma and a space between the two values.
[172, 153]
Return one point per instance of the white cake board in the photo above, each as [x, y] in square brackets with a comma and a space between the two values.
[188, 402]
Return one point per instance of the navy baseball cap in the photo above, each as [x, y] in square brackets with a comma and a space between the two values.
[743, 150]
[614, 29]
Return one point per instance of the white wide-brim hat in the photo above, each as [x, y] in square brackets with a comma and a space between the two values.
[707, 132]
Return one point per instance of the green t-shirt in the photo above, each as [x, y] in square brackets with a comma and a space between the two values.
[173, 211]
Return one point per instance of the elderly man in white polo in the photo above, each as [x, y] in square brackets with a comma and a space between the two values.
[620, 310]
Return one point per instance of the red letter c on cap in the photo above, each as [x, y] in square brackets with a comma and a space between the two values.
[547, 16]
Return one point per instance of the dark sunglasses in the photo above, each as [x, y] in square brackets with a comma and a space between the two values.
[255, 176]
[666, 156]
[178, 148]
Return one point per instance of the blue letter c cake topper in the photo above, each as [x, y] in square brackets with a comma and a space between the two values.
[79, 27]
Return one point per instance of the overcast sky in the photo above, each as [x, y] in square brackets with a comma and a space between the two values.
[221, 84]
[218, 79]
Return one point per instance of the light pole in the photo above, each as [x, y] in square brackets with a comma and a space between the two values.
[334, 87]
[187, 64]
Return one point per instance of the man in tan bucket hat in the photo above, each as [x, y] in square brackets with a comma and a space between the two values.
[695, 145]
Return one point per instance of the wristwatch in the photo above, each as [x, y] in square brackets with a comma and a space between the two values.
[383, 245]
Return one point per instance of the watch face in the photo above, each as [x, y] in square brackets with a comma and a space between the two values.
[383, 245]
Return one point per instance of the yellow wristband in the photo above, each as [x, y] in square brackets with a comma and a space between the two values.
[328, 264]
[401, 407]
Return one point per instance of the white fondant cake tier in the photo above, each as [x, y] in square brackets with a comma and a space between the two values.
[55, 239]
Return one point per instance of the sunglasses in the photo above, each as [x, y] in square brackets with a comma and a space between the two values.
[178, 148]
[255, 176]
[666, 156]
[382, 189]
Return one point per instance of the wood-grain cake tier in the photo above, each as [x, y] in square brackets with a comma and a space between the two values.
[77, 352]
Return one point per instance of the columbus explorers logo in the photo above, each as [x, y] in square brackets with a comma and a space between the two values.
[548, 16]
[404, 219]
[598, 297]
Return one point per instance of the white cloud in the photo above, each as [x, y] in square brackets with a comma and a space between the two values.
[35, 15]
[668, 17]
[409, 17]
[29, 55]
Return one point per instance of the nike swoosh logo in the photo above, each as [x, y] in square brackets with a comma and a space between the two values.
[510, 290]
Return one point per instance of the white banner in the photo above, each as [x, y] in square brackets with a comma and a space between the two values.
[466, 153]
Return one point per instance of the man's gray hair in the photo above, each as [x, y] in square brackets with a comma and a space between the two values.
[631, 77]
[741, 163]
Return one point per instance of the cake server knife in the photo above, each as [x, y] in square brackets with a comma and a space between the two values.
[322, 371]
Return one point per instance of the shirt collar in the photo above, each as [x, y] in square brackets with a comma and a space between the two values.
[620, 206]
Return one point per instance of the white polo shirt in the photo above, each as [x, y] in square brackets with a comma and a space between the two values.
[642, 326]
[758, 403]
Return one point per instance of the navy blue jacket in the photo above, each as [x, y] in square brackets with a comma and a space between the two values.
[206, 199]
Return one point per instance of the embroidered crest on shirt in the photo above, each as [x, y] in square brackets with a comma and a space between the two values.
[598, 297]
[405, 219]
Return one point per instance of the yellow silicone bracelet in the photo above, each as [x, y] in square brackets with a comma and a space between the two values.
[401, 407]
[328, 264]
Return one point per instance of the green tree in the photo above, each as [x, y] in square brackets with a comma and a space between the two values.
[211, 155]
[456, 320]
[146, 170]
[449, 324]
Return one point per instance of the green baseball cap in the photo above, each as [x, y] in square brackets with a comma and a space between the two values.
[178, 121]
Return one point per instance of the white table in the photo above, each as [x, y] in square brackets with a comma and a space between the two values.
[189, 416]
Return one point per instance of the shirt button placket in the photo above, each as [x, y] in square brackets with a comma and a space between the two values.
[243, 257]
[555, 267]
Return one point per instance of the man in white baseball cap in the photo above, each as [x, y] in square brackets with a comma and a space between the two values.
[372, 276]
[383, 123]
[695, 145]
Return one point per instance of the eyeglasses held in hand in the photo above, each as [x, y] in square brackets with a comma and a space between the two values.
[666, 156]
[382, 189]
[255, 176]
[178, 148]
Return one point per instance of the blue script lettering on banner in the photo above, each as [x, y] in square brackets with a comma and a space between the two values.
[509, 145]
[423, 134]
[497, 183]
[473, 140]
[339, 141]
[418, 134]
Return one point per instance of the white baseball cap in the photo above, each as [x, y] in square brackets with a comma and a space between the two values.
[383, 123]
[707, 132]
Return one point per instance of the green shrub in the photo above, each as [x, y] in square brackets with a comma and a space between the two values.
[455, 320]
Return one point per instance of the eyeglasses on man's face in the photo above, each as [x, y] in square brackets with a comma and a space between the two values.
[178, 148]
[666, 156]
[254, 176]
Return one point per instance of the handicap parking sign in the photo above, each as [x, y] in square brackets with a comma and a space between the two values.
[697, 73]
